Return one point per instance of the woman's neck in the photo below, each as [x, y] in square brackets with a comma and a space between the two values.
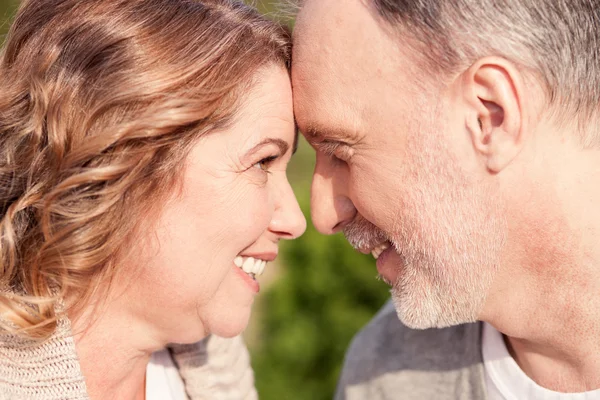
[113, 350]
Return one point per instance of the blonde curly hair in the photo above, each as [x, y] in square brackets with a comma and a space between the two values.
[101, 101]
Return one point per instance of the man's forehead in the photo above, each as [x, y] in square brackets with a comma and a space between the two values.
[325, 30]
[320, 118]
[342, 45]
[334, 12]
[341, 60]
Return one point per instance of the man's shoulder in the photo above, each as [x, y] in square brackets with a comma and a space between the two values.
[386, 358]
[386, 340]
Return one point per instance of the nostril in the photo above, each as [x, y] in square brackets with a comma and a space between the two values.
[340, 226]
[345, 212]
[285, 235]
[281, 235]
[344, 207]
[332, 217]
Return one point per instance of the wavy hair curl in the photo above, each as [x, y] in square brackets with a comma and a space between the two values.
[100, 103]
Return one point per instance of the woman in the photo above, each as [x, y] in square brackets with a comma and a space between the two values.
[143, 149]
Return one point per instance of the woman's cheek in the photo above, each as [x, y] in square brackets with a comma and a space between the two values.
[258, 209]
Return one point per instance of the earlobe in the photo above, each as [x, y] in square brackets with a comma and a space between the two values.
[492, 88]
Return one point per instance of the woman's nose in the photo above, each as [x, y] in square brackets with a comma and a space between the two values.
[288, 221]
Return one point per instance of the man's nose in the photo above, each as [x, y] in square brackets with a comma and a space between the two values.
[331, 208]
[289, 221]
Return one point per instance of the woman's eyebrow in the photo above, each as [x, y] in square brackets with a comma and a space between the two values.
[282, 144]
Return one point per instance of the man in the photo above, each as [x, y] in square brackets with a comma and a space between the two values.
[458, 141]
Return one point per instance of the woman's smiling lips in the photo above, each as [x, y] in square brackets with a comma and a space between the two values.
[251, 282]
[251, 266]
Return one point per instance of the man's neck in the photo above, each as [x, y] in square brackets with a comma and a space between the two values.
[553, 371]
[552, 327]
[546, 298]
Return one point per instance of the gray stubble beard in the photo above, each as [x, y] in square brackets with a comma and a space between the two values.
[449, 235]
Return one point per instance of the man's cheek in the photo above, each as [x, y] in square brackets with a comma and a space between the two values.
[377, 203]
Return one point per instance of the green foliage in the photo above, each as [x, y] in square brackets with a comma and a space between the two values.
[7, 8]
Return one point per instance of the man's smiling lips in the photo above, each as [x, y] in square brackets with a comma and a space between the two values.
[382, 252]
[375, 250]
[380, 248]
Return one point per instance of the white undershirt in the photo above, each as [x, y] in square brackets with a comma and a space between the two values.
[506, 381]
[163, 381]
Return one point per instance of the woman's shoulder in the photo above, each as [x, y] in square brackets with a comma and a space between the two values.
[216, 367]
[40, 370]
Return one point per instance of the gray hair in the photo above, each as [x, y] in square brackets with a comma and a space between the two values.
[558, 40]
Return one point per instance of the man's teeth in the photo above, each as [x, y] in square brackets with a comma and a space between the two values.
[250, 265]
[376, 252]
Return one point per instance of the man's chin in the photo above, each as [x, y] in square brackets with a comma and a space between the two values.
[412, 318]
[418, 314]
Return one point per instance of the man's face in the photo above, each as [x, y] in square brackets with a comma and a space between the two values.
[395, 166]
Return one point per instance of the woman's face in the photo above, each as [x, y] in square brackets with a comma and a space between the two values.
[234, 207]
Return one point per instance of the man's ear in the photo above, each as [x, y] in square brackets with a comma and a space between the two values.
[492, 88]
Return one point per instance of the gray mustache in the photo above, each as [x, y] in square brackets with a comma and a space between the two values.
[362, 234]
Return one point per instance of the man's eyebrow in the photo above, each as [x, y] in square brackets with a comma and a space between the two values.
[317, 134]
[282, 144]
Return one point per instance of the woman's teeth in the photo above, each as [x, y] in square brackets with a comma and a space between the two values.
[250, 265]
[376, 252]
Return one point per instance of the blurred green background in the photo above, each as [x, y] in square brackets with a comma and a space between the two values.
[313, 300]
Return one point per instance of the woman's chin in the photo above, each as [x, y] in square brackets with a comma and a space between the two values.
[224, 330]
[232, 327]
[225, 324]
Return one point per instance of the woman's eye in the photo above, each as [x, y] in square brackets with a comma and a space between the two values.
[264, 163]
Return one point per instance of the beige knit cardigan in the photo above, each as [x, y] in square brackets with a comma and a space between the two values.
[213, 368]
